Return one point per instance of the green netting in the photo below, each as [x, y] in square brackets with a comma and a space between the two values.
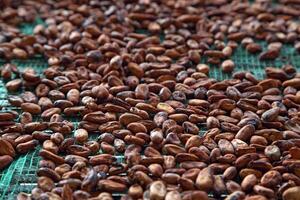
[20, 176]
[27, 28]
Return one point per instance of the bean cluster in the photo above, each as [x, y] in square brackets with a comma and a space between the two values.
[135, 73]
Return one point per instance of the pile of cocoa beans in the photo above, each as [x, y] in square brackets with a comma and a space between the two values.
[135, 74]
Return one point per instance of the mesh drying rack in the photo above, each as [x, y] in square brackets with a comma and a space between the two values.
[20, 176]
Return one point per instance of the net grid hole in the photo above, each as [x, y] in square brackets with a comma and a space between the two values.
[20, 176]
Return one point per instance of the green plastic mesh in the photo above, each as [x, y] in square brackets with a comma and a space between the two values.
[20, 176]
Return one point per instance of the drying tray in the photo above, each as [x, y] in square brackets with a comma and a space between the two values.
[21, 176]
